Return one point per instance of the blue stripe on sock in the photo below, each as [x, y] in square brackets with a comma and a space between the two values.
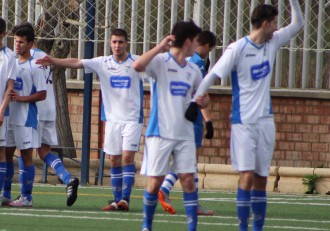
[128, 181]
[191, 203]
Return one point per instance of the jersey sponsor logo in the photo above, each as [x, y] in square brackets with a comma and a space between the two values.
[179, 88]
[120, 81]
[112, 68]
[171, 70]
[18, 84]
[260, 71]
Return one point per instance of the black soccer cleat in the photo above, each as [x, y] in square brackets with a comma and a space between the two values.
[71, 191]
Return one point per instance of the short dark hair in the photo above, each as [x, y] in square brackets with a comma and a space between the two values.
[183, 30]
[261, 13]
[24, 30]
[3, 26]
[119, 32]
[206, 37]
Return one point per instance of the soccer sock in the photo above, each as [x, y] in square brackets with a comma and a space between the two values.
[128, 181]
[169, 182]
[3, 169]
[190, 203]
[8, 180]
[243, 202]
[28, 174]
[55, 163]
[149, 208]
[258, 205]
[116, 174]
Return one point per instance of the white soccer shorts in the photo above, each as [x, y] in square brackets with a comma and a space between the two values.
[3, 132]
[47, 132]
[22, 137]
[158, 152]
[252, 146]
[122, 136]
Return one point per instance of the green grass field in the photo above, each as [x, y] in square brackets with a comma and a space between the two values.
[49, 212]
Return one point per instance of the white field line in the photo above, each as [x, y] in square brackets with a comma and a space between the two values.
[121, 214]
[139, 220]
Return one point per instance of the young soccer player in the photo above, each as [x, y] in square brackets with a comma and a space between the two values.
[122, 94]
[206, 41]
[174, 80]
[30, 87]
[48, 135]
[8, 70]
[250, 61]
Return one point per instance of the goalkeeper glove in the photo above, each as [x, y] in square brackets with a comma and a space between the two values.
[209, 130]
[191, 112]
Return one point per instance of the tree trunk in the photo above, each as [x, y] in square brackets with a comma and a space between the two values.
[59, 46]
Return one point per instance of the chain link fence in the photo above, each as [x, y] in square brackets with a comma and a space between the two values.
[303, 64]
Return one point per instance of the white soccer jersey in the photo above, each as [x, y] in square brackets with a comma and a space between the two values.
[121, 87]
[8, 69]
[251, 70]
[47, 107]
[172, 89]
[30, 79]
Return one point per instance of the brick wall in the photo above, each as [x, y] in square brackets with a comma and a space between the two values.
[302, 125]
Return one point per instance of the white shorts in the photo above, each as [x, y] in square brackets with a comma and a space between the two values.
[3, 132]
[122, 136]
[47, 132]
[252, 146]
[22, 137]
[158, 152]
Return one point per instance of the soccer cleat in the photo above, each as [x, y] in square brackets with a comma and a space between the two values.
[71, 191]
[145, 229]
[5, 201]
[204, 212]
[111, 206]
[123, 205]
[21, 202]
[165, 201]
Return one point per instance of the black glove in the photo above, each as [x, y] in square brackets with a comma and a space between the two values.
[209, 130]
[192, 112]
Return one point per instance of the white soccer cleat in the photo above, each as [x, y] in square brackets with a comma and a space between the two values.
[21, 202]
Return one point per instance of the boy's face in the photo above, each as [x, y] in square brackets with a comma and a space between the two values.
[270, 28]
[22, 46]
[118, 45]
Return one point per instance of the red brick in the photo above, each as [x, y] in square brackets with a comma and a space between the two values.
[312, 119]
[294, 136]
[317, 147]
[302, 146]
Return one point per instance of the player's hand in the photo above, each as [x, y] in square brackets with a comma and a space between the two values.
[14, 96]
[209, 130]
[166, 43]
[45, 61]
[192, 112]
[202, 101]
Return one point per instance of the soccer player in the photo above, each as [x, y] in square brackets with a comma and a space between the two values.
[48, 135]
[122, 94]
[8, 70]
[30, 87]
[174, 80]
[250, 61]
[206, 41]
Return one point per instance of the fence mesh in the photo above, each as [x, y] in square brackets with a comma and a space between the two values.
[66, 19]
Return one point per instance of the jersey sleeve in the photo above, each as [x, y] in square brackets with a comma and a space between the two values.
[92, 65]
[226, 63]
[152, 68]
[12, 68]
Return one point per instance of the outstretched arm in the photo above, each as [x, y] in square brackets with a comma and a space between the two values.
[297, 19]
[141, 63]
[68, 63]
